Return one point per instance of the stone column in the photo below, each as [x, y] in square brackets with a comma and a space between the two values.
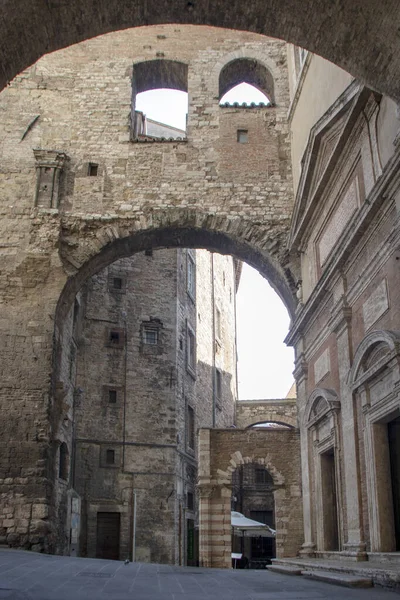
[354, 547]
[301, 376]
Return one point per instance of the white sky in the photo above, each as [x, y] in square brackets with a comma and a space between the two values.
[265, 363]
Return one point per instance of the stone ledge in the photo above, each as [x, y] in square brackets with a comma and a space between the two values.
[339, 578]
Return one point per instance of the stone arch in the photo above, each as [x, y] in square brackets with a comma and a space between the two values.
[366, 46]
[320, 402]
[88, 246]
[260, 70]
[246, 70]
[384, 344]
[237, 459]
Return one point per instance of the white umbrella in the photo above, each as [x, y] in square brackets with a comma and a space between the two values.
[241, 525]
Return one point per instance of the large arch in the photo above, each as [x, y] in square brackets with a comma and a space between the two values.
[94, 245]
[360, 36]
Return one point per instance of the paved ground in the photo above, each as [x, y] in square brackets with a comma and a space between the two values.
[29, 576]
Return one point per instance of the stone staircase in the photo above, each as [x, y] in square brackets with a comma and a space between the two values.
[348, 573]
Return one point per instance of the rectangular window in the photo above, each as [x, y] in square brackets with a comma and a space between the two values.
[93, 170]
[110, 457]
[150, 336]
[191, 276]
[242, 136]
[191, 349]
[190, 428]
[115, 338]
[117, 283]
[112, 396]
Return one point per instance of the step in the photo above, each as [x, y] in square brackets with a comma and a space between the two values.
[285, 569]
[339, 578]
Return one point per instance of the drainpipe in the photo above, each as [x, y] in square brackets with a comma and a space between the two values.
[236, 353]
[125, 384]
[134, 498]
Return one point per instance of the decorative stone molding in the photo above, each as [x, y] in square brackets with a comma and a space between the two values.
[360, 371]
[323, 402]
[49, 165]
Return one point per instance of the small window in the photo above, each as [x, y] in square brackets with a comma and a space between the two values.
[63, 462]
[190, 428]
[191, 276]
[114, 338]
[117, 283]
[242, 136]
[218, 384]
[112, 396]
[110, 457]
[190, 501]
[93, 170]
[150, 336]
[191, 349]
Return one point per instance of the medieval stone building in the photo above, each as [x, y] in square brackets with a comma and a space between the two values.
[305, 189]
[152, 358]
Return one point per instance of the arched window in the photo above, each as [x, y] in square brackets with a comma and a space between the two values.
[159, 87]
[63, 467]
[247, 82]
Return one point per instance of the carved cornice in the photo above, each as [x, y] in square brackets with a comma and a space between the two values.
[53, 159]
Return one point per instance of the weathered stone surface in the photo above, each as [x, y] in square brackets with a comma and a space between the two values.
[364, 45]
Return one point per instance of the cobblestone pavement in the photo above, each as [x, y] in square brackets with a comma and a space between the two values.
[30, 576]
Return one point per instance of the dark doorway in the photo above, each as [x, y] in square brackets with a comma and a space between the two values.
[394, 453]
[329, 501]
[107, 541]
[192, 541]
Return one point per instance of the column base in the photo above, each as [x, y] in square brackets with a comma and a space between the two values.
[356, 552]
[307, 550]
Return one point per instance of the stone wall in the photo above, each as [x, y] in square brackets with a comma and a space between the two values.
[251, 412]
[62, 223]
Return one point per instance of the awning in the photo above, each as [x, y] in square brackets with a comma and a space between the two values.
[243, 526]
